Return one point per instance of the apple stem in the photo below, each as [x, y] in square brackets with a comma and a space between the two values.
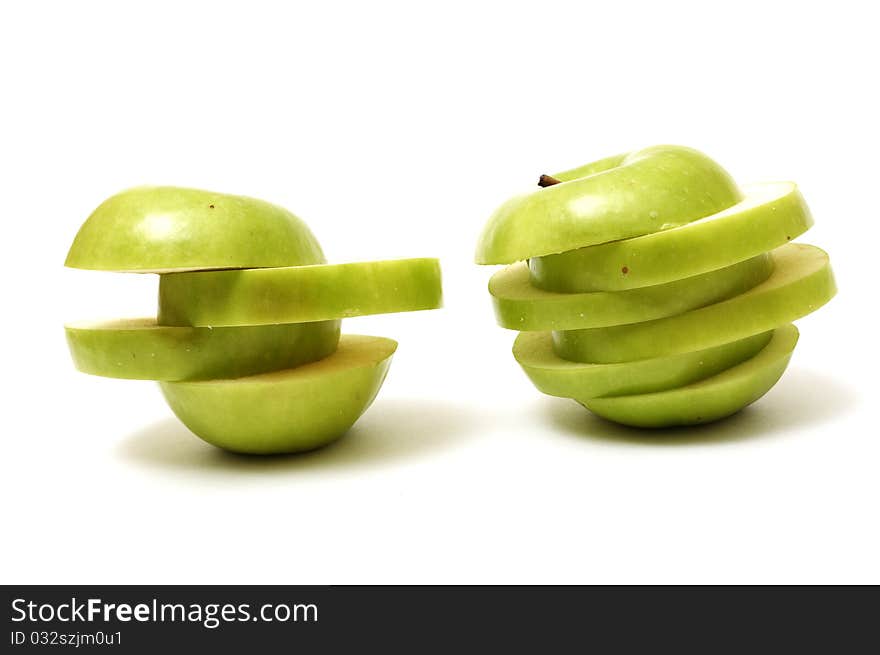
[547, 180]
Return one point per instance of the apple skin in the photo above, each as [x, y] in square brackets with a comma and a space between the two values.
[157, 229]
[646, 191]
[559, 377]
[139, 349]
[801, 282]
[521, 306]
[286, 411]
[650, 289]
[300, 293]
[709, 399]
[257, 383]
[769, 216]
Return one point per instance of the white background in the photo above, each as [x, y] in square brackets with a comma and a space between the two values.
[394, 129]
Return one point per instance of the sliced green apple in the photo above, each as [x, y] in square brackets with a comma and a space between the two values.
[559, 377]
[139, 349]
[707, 400]
[156, 229]
[768, 217]
[801, 282]
[521, 306]
[646, 191]
[286, 411]
[300, 293]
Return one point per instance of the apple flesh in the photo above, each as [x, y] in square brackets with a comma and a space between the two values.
[140, 349]
[246, 347]
[300, 293]
[709, 399]
[650, 289]
[157, 229]
[646, 191]
[801, 282]
[560, 377]
[286, 411]
[769, 216]
[521, 306]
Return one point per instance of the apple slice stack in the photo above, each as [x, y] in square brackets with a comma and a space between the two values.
[246, 346]
[651, 289]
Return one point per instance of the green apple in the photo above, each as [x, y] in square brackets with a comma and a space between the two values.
[521, 306]
[706, 400]
[620, 197]
[650, 289]
[139, 349]
[801, 282]
[246, 347]
[769, 216]
[300, 293]
[560, 377]
[156, 229]
[286, 411]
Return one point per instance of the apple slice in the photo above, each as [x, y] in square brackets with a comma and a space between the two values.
[156, 229]
[139, 349]
[559, 377]
[768, 217]
[617, 198]
[801, 282]
[300, 293]
[707, 400]
[521, 306]
[286, 411]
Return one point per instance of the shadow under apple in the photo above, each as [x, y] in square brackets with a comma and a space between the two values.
[390, 430]
[801, 398]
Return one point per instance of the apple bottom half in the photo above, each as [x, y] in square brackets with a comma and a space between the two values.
[709, 399]
[286, 411]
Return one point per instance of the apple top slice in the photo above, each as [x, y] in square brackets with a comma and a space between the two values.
[618, 197]
[161, 229]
